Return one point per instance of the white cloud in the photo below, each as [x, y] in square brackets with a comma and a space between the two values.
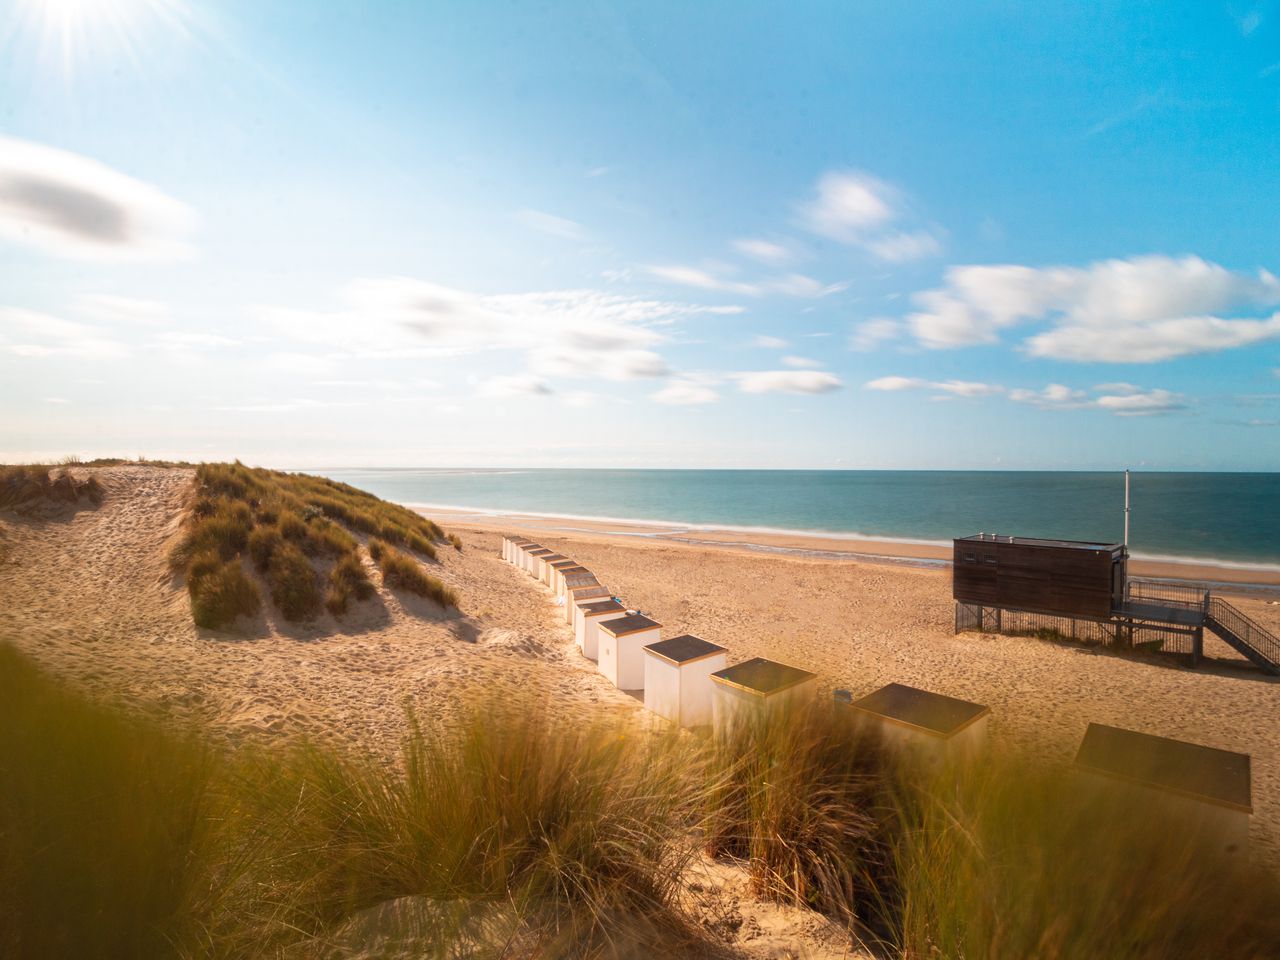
[955, 388]
[891, 384]
[857, 208]
[967, 388]
[685, 393]
[766, 251]
[1139, 310]
[790, 284]
[788, 381]
[551, 224]
[905, 245]
[871, 333]
[768, 342]
[518, 385]
[1120, 399]
[1054, 395]
[701, 279]
[564, 333]
[76, 207]
[800, 363]
[848, 204]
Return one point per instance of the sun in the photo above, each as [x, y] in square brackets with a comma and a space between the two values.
[72, 31]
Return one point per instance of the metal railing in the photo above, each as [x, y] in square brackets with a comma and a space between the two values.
[1249, 631]
[1191, 595]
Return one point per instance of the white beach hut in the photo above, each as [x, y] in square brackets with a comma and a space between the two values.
[1209, 790]
[754, 685]
[559, 584]
[535, 561]
[549, 567]
[621, 650]
[511, 546]
[524, 558]
[930, 724]
[572, 595]
[677, 678]
[594, 613]
[578, 577]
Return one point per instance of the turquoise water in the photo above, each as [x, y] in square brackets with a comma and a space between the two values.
[1232, 517]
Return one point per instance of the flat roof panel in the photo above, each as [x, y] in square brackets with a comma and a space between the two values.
[1204, 773]
[601, 606]
[1039, 542]
[762, 676]
[631, 623]
[684, 649]
[930, 712]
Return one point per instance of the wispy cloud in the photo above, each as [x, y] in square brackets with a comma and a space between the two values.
[869, 334]
[551, 224]
[1119, 399]
[790, 284]
[685, 393]
[76, 207]
[766, 251]
[31, 333]
[1140, 310]
[767, 342]
[800, 363]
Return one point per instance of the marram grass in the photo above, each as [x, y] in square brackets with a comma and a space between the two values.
[513, 833]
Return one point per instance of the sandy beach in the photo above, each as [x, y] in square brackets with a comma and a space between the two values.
[89, 595]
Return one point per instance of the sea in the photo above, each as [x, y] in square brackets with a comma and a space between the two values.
[1226, 518]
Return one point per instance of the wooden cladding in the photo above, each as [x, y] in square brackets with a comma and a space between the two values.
[1047, 576]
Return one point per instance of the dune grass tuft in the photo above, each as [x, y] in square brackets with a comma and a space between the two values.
[348, 581]
[26, 485]
[796, 795]
[220, 591]
[283, 521]
[456, 541]
[402, 572]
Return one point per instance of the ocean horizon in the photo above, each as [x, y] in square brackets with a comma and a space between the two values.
[1225, 518]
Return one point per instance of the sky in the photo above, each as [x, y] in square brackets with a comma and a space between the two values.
[810, 235]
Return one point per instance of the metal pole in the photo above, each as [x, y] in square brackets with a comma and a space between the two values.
[1126, 508]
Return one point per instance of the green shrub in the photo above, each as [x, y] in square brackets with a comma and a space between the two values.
[401, 572]
[293, 583]
[220, 591]
[348, 580]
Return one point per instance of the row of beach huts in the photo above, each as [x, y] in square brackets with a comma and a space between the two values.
[688, 681]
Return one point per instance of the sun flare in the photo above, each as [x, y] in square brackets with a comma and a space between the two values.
[72, 31]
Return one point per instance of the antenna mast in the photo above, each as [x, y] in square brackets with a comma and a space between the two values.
[1126, 508]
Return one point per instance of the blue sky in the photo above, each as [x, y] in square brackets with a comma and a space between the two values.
[849, 235]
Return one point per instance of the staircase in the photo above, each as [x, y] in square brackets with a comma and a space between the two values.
[1248, 636]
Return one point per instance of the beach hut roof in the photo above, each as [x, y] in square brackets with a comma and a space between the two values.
[579, 578]
[922, 710]
[540, 552]
[561, 563]
[1204, 773]
[601, 606]
[761, 676]
[589, 590]
[631, 623]
[685, 648]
